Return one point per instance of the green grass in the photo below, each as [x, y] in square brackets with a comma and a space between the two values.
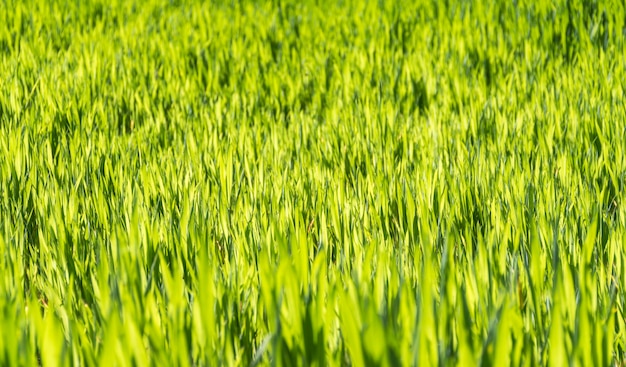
[312, 183]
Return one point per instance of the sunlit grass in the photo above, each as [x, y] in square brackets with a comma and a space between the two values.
[293, 183]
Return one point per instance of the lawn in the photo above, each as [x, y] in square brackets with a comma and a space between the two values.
[312, 183]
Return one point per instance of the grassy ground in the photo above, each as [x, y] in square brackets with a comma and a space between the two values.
[312, 183]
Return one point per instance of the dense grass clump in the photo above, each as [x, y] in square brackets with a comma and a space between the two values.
[312, 183]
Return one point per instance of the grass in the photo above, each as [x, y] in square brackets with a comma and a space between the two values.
[312, 183]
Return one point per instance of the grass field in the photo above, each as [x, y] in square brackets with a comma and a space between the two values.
[314, 183]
